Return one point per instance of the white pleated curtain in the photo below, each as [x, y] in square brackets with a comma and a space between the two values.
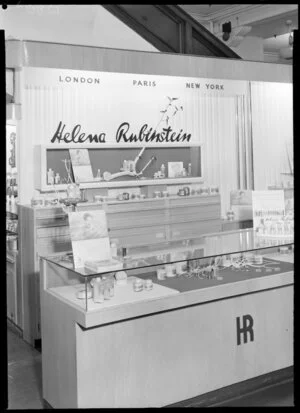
[272, 128]
[218, 126]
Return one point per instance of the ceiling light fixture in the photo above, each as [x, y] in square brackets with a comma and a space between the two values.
[287, 52]
[233, 36]
[226, 29]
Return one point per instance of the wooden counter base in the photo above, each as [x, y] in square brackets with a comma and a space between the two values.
[160, 359]
[230, 392]
[243, 389]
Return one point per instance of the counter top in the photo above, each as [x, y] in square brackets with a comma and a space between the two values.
[193, 291]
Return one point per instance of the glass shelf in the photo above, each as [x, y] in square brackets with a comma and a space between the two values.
[8, 232]
[11, 215]
[146, 273]
[210, 245]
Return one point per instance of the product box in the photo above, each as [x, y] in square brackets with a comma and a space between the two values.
[241, 204]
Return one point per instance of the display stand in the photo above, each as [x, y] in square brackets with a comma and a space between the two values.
[158, 351]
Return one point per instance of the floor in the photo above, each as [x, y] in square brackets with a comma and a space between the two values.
[25, 381]
[24, 374]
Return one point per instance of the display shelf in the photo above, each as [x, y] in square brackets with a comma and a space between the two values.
[191, 291]
[124, 184]
[187, 154]
[122, 295]
[8, 232]
[11, 215]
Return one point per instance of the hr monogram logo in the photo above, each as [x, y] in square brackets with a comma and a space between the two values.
[247, 327]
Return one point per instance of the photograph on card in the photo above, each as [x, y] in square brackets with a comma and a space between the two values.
[85, 225]
[81, 164]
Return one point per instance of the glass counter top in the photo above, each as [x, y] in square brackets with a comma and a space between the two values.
[206, 246]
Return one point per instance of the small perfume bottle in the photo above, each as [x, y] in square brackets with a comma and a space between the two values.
[98, 176]
[189, 169]
[57, 179]
[163, 170]
[114, 249]
[148, 285]
[137, 285]
[12, 203]
[50, 177]
[98, 295]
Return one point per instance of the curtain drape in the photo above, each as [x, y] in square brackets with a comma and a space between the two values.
[217, 118]
[272, 128]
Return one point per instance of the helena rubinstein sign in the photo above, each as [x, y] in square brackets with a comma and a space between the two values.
[123, 134]
[134, 108]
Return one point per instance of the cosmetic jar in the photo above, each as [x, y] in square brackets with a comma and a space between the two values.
[161, 274]
[148, 285]
[121, 278]
[169, 271]
[186, 190]
[283, 250]
[179, 267]
[137, 285]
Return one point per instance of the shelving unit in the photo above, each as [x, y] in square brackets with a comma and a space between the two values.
[13, 307]
[41, 153]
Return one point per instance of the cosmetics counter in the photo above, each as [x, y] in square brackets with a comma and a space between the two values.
[217, 309]
[144, 220]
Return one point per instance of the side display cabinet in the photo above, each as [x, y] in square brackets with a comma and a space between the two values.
[217, 310]
[13, 290]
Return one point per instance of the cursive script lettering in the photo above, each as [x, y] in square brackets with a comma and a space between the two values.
[75, 136]
[150, 135]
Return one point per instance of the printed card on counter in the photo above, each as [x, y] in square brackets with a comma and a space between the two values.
[89, 236]
[241, 204]
[81, 165]
[267, 205]
[241, 197]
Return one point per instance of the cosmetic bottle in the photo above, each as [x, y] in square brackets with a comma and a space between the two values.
[57, 179]
[12, 204]
[98, 288]
[114, 249]
[50, 177]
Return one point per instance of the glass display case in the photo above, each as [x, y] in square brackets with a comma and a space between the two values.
[179, 266]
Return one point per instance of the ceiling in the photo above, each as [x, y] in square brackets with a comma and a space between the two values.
[266, 22]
